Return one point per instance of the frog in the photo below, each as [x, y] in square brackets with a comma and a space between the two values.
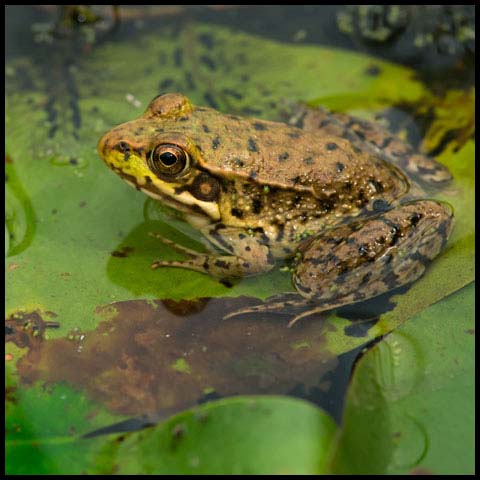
[344, 203]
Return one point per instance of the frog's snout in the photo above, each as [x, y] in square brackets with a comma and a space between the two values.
[110, 143]
[103, 145]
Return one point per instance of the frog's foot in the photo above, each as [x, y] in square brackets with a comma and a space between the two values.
[283, 306]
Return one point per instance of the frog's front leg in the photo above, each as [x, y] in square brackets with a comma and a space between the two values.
[248, 253]
[364, 259]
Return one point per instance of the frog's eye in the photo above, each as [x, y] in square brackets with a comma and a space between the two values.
[168, 160]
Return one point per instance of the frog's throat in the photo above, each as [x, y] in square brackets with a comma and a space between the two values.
[186, 201]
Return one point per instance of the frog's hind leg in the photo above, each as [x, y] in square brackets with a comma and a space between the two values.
[283, 304]
[375, 138]
[358, 261]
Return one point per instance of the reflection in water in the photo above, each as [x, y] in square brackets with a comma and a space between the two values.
[152, 359]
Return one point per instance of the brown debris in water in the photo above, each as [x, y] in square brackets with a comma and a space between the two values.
[146, 358]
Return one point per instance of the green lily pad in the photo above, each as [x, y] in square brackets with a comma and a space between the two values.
[43, 428]
[410, 406]
[237, 436]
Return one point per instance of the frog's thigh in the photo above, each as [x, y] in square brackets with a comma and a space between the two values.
[359, 261]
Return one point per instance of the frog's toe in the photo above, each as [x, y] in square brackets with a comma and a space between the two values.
[178, 248]
[272, 305]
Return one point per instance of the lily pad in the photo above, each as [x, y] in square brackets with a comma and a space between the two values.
[410, 407]
[237, 436]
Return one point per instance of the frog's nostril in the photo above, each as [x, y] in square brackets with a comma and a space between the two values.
[123, 147]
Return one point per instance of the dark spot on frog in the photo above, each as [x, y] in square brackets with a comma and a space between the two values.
[238, 162]
[358, 295]
[215, 143]
[247, 248]
[236, 212]
[259, 126]
[365, 278]
[294, 135]
[340, 167]
[376, 185]
[303, 217]
[381, 205]
[208, 62]
[183, 119]
[54, 211]
[252, 174]
[257, 205]
[73, 161]
[331, 146]
[283, 157]
[148, 179]
[308, 161]
[241, 236]
[414, 219]
[205, 129]
[252, 146]
[295, 180]
[418, 257]
[364, 251]
[122, 147]
[390, 279]
[221, 264]
[360, 134]
[246, 265]
[386, 142]
[357, 150]
[326, 205]
[324, 123]
[82, 203]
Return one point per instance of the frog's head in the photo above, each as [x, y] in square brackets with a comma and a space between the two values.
[155, 154]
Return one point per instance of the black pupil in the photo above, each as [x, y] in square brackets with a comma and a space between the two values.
[168, 158]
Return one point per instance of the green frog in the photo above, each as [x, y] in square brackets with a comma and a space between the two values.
[339, 198]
